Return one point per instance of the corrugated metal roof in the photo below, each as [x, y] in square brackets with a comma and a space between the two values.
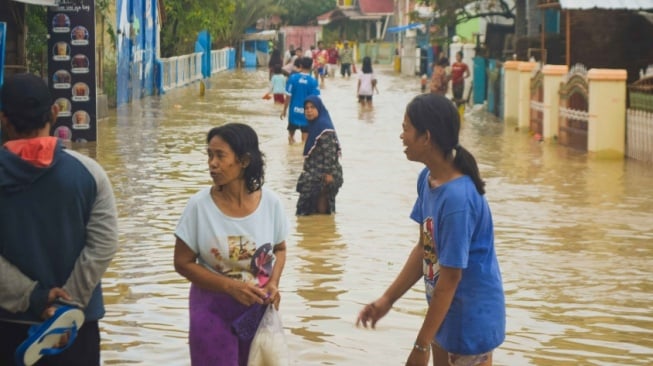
[607, 4]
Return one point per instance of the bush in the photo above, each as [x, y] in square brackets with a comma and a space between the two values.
[109, 77]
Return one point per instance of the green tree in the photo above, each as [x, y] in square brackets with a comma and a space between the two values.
[303, 12]
[37, 31]
[453, 12]
[186, 18]
[245, 15]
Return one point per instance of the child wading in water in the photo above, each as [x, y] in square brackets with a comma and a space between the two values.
[366, 84]
[278, 85]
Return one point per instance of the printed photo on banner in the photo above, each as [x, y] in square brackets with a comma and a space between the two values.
[79, 36]
[81, 120]
[60, 23]
[80, 92]
[61, 79]
[64, 107]
[63, 132]
[79, 64]
[61, 51]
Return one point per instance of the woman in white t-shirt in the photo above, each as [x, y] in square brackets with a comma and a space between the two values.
[231, 246]
[366, 83]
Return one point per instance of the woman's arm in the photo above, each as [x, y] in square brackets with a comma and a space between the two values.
[443, 293]
[272, 287]
[328, 145]
[185, 261]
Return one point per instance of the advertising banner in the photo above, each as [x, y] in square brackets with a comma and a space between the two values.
[71, 69]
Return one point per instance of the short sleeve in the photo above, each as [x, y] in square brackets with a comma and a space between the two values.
[281, 224]
[417, 214]
[187, 226]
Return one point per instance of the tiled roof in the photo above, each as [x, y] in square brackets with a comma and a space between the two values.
[606, 4]
[385, 7]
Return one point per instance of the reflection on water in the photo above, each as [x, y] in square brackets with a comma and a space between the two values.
[573, 233]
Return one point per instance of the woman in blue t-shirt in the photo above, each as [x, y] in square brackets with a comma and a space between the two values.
[455, 252]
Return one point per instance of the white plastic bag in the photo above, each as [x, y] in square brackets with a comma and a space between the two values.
[269, 347]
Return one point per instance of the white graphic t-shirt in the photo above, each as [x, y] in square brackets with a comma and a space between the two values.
[237, 247]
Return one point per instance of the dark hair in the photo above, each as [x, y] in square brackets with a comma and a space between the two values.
[23, 124]
[443, 61]
[26, 102]
[307, 63]
[277, 69]
[437, 114]
[367, 65]
[244, 142]
[275, 58]
[298, 62]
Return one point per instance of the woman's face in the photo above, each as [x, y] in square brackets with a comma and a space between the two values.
[412, 140]
[224, 165]
[310, 112]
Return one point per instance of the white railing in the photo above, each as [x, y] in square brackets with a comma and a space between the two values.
[537, 106]
[219, 60]
[181, 70]
[574, 114]
[639, 135]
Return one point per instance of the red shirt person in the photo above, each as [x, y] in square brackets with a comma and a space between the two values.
[459, 72]
[333, 60]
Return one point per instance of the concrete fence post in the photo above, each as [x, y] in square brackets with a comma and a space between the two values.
[511, 92]
[606, 130]
[525, 70]
[553, 76]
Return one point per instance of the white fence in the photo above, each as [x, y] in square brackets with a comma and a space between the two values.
[639, 135]
[181, 70]
[219, 60]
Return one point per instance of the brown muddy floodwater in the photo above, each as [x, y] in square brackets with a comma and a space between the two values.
[574, 235]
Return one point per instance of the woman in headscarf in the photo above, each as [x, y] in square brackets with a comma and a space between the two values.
[321, 178]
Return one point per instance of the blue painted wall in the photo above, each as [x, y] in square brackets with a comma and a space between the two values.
[137, 48]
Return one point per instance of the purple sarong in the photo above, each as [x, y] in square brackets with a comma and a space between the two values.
[211, 339]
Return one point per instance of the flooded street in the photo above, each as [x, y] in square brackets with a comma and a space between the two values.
[574, 235]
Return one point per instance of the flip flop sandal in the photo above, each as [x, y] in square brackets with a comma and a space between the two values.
[43, 337]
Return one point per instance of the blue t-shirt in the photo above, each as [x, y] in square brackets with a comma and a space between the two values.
[458, 232]
[298, 87]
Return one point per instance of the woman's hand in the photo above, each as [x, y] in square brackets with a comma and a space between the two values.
[274, 296]
[373, 311]
[418, 358]
[247, 294]
[328, 179]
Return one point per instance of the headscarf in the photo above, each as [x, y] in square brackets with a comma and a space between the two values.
[318, 126]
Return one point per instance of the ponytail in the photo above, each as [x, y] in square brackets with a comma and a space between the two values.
[464, 161]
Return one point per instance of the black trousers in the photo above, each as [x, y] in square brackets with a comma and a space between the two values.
[85, 351]
[345, 69]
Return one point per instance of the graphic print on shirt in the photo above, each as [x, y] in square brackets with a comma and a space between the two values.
[245, 262]
[430, 266]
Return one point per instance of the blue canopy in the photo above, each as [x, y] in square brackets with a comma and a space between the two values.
[402, 28]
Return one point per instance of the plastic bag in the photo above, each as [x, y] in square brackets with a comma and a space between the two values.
[269, 347]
